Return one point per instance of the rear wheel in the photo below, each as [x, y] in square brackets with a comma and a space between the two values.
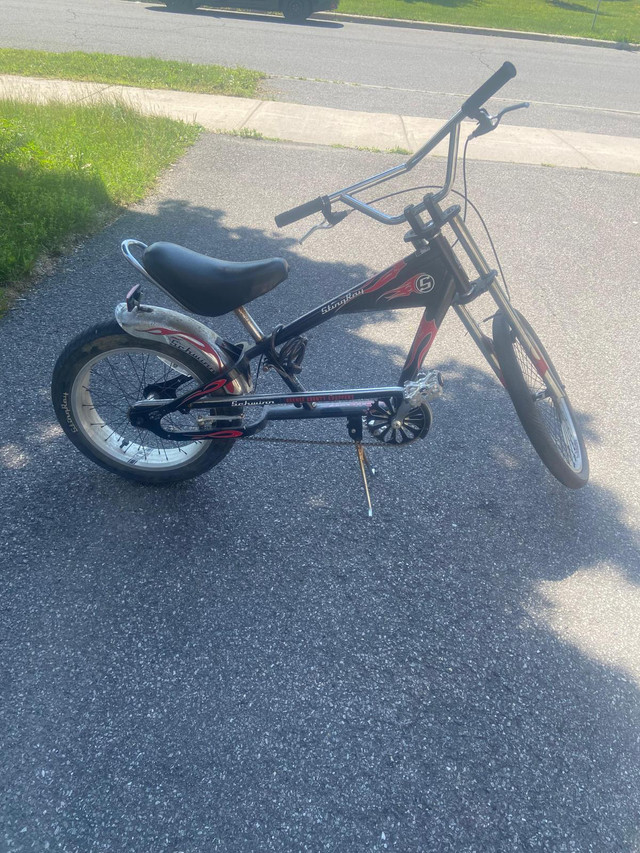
[549, 421]
[296, 10]
[96, 380]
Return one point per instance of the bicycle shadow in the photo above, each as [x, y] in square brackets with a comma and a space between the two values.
[266, 650]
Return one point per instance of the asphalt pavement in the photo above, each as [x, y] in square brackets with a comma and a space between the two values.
[246, 662]
[348, 65]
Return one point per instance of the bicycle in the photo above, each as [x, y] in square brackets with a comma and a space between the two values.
[158, 397]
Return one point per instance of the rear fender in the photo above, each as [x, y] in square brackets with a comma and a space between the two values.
[183, 334]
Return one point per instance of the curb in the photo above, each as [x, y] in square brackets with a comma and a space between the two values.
[478, 31]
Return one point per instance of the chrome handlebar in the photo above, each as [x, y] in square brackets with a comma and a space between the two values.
[451, 129]
[472, 108]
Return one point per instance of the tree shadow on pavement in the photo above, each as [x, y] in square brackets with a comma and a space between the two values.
[450, 4]
[233, 15]
[246, 662]
[572, 7]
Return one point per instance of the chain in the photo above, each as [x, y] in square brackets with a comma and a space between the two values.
[325, 442]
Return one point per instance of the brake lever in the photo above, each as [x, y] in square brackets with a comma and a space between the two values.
[330, 221]
[487, 123]
[324, 224]
[523, 105]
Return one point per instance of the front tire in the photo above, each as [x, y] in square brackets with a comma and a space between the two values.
[549, 422]
[104, 371]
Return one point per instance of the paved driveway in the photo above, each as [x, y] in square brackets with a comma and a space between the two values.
[246, 662]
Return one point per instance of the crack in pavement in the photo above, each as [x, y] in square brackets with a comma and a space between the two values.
[447, 94]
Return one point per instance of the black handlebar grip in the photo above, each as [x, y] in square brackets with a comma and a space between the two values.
[300, 212]
[488, 89]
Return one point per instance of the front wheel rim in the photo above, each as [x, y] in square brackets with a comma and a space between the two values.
[553, 412]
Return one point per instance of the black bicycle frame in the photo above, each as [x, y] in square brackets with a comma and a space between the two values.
[419, 280]
[431, 277]
[425, 279]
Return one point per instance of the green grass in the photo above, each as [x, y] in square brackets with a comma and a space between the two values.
[132, 71]
[618, 20]
[65, 169]
[396, 150]
[245, 133]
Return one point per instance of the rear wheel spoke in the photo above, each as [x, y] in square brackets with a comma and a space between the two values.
[111, 385]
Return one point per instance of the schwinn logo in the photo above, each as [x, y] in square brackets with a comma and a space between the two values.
[189, 344]
[189, 350]
[424, 284]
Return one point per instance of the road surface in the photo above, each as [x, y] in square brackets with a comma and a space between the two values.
[376, 69]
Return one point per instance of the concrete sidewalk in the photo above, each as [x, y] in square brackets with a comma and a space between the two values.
[327, 126]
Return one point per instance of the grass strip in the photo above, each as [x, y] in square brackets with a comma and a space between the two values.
[616, 20]
[147, 73]
[64, 169]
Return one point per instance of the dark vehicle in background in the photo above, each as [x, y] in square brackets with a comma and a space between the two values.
[293, 10]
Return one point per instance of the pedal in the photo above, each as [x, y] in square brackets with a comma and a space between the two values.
[426, 386]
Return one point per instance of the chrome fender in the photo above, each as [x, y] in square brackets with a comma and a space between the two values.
[183, 334]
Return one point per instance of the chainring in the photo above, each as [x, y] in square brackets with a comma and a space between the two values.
[385, 427]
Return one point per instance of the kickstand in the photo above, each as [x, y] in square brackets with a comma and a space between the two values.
[364, 464]
[355, 431]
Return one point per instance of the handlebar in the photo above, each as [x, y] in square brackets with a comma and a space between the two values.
[301, 211]
[488, 89]
[470, 109]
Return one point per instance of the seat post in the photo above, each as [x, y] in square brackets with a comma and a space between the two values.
[249, 323]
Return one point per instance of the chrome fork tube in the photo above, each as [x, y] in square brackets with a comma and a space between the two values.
[500, 298]
[469, 245]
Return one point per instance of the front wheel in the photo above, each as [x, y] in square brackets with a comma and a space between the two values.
[96, 380]
[549, 421]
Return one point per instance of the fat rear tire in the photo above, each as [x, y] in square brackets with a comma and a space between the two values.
[106, 357]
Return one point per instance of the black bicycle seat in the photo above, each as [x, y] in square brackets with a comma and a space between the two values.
[208, 286]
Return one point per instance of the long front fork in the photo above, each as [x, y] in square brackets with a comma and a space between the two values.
[485, 344]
